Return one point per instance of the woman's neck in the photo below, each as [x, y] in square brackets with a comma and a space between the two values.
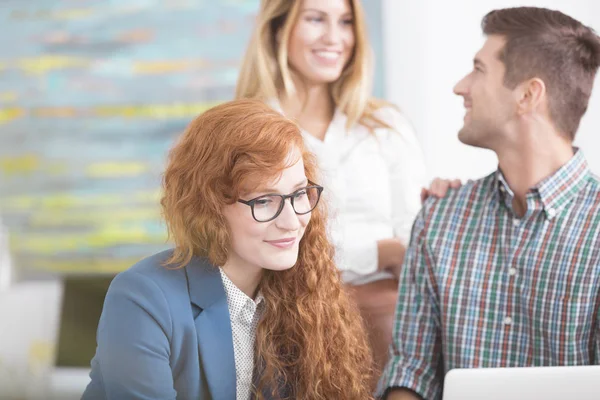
[245, 278]
[311, 107]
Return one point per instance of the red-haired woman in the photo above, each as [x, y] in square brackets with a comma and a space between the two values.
[249, 303]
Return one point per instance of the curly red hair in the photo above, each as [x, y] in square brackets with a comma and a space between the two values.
[310, 339]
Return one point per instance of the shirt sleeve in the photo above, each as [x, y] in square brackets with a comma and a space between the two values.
[415, 354]
[132, 355]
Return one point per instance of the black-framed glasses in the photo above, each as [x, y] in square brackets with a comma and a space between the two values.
[268, 207]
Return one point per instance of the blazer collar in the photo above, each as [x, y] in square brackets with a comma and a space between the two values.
[213, 328]
[204, 283]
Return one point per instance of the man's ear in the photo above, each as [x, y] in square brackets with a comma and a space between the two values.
[531, 95]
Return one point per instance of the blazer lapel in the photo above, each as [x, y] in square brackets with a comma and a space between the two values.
[213, 327]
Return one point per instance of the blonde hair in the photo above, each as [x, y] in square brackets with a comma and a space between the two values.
[265, 72]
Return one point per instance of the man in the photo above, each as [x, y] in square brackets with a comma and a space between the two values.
[505, 271]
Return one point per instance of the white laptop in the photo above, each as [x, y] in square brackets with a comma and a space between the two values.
[538, 383]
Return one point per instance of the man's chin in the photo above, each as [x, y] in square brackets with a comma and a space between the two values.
[465, 136]
[468, 137]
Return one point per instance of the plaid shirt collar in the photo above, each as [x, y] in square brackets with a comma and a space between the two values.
[551, 193]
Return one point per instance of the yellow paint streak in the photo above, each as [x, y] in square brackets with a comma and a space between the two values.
[112, 235]
[58, 201]
[115, 169]
[70, 218]
[43, 244]
[158, 111]
[40, 353]
[57, 169]
[18, 203]
[162, 67]
[25, 164]
[73, 14]
[107, 236]
[44, 64]
[153, 111]
[65, 201]
[87, 265]
[10, 114]
[148, 197]
[46, 14]
[8, 96]
[54, 112]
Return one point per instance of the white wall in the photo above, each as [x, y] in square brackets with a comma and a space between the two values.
[429, 46]
[29, 316]
[5, 261]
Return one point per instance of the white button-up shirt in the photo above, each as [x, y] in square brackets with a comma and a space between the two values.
[372, 184]
[244, 314]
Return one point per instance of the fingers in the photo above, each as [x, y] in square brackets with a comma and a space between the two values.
[439, 188]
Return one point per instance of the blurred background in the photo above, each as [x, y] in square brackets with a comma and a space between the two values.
[92, 95]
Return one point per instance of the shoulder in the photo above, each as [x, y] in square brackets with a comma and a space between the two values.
[391, 115]
[589, 197]
[399, 132]
[471, 196]
[150, 285]
[399, 143]
[151, 271]
[594, 183]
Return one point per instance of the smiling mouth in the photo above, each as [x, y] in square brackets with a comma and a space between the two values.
[282, 243]
[327, 57]
[332, 55]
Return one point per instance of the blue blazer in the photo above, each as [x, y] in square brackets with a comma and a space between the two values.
[164, 334]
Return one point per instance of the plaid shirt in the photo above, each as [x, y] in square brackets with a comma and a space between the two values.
[483, 288]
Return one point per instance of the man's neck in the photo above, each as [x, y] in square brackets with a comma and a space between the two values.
[526, 163]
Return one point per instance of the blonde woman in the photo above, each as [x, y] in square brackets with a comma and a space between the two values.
[310, 59]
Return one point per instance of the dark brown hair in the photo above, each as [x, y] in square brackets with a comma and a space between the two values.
[553, 47]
